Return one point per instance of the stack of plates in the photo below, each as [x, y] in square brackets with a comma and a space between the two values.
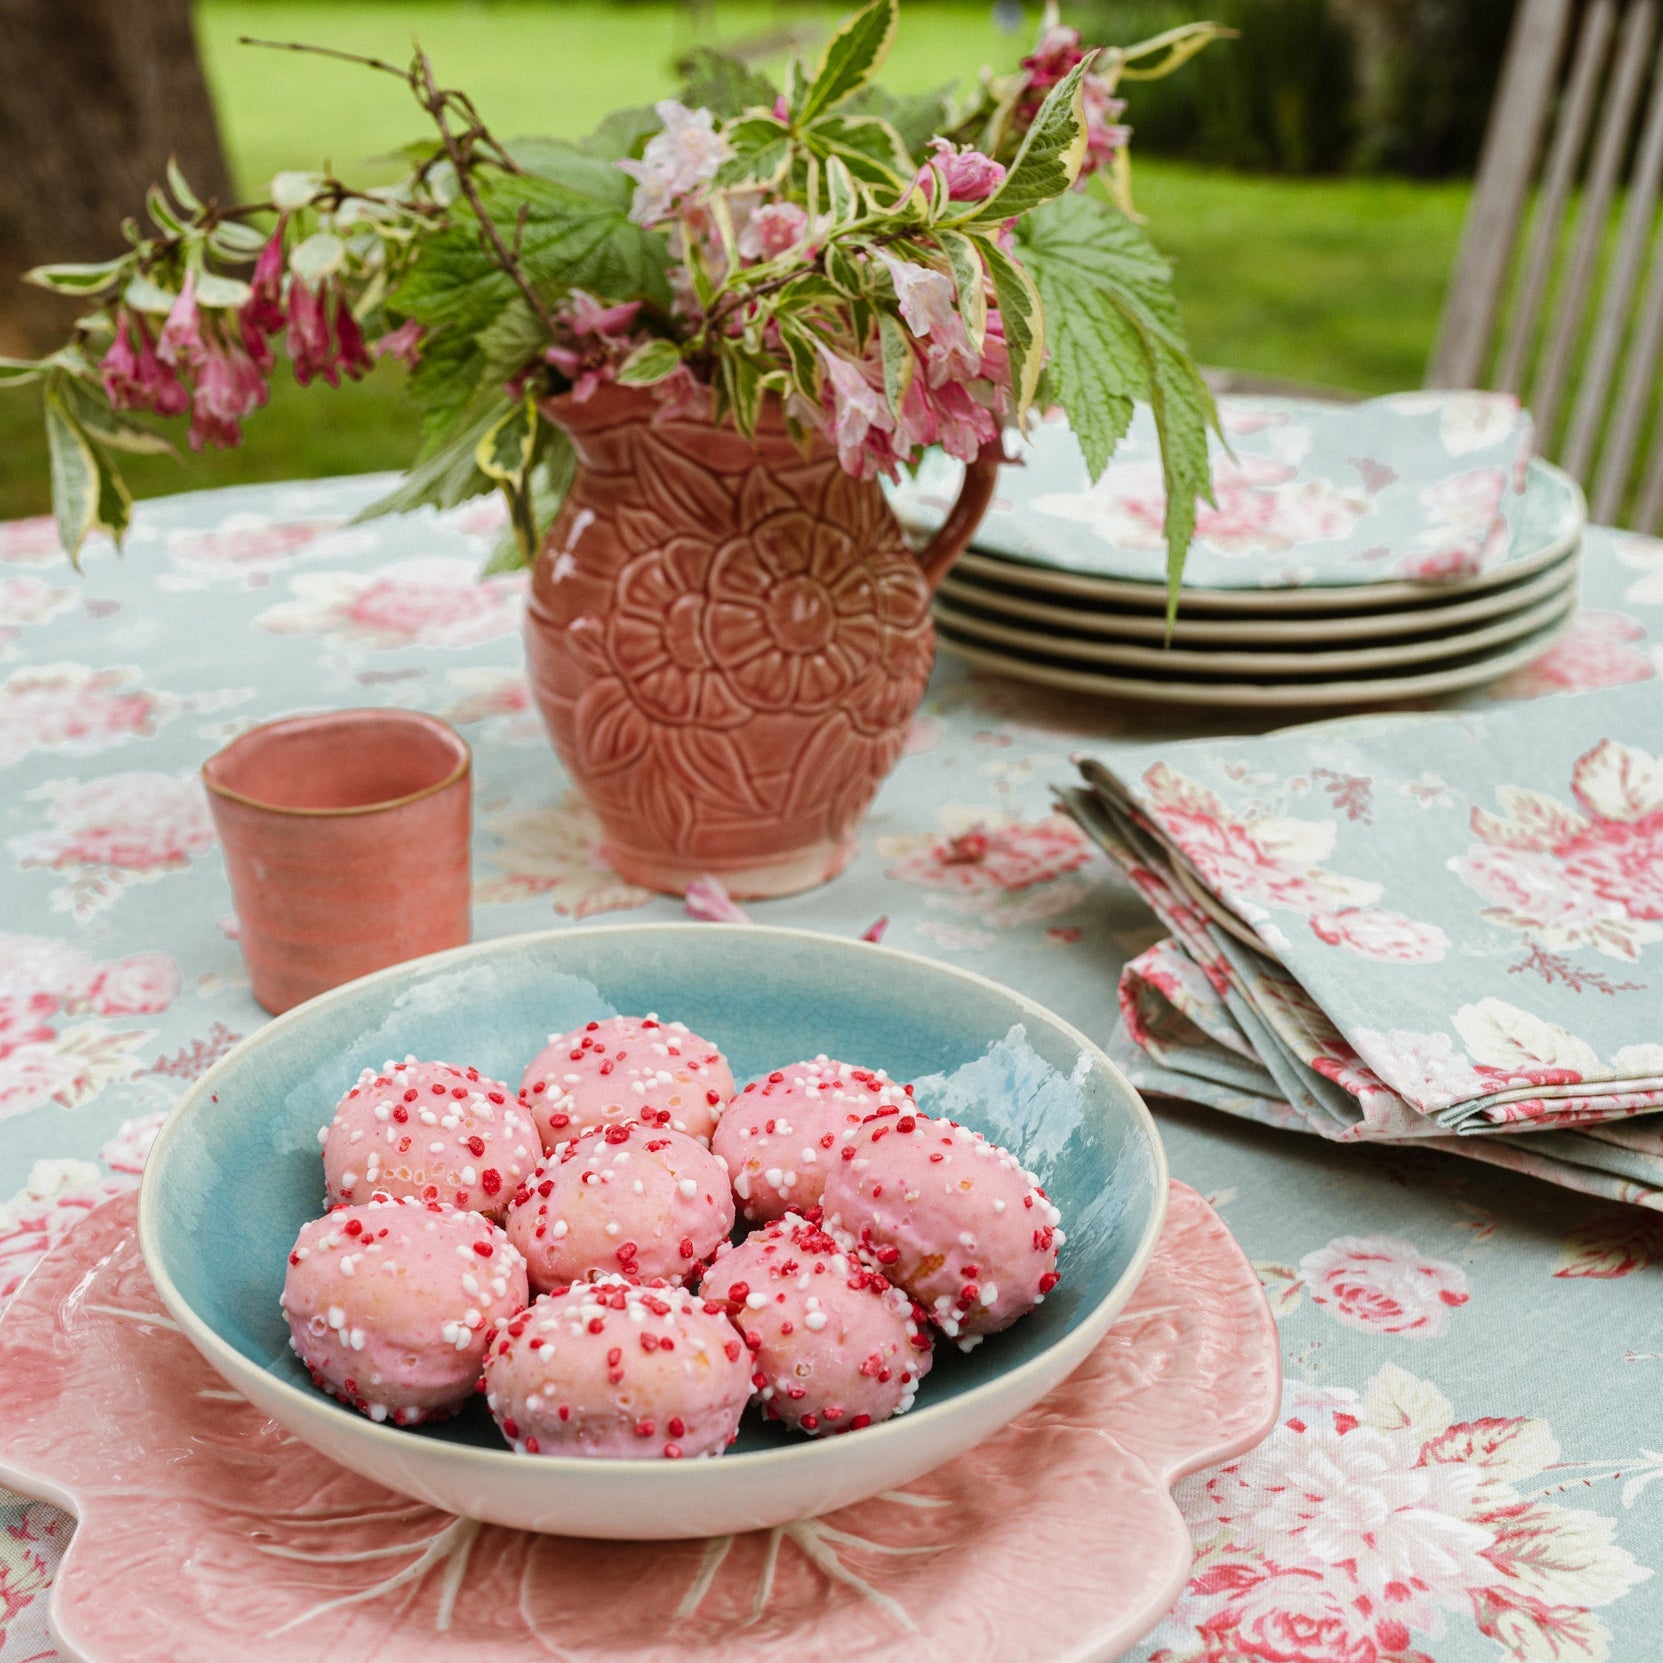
[1056, 593]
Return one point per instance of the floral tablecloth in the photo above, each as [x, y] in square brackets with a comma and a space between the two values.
[1466, 1464]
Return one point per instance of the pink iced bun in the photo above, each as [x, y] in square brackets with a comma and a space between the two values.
[612, 1369]
[622, 1200]
[391, 1304]
[948, 1216]
[778, 1135]
[626, 1068]
[834, 1346]
[431, 1131]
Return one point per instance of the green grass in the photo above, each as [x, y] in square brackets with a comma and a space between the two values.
[1334, 281]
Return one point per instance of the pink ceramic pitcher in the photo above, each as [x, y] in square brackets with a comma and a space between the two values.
[727, 641]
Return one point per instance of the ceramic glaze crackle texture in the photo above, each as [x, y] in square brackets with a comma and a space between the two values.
[727, 641]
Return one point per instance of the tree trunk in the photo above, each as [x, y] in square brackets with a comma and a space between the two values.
[95, 96]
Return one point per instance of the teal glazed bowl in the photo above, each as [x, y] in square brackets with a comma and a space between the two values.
[236, 1171]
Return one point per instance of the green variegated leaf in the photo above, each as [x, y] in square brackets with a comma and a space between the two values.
[145, 296]
[79, 280]
[551, 479]
[321, 255]
[869, 147]
[845, 274]
[234, 239]
[805, 361]
[291, 190]
[1023, 318]
[761, 147]
[19, 372]
[504, 451]
[842, 199]
[968, 280]
[107, 427]
[161, 213]
[182, 192]
[649, 363]
[1049, 161]
[450, 475]
[214, 290]
[851, 58]
[88, 495]
[898, 361]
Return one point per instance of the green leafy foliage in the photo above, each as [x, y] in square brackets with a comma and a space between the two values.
[88, 494]
[650, 363]
[851, 58]
[1114, 335]
[1049, 159]
[725, 86]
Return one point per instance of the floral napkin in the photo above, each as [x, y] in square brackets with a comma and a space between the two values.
[1418, 924]
[1178, 1038]
[1419, 486]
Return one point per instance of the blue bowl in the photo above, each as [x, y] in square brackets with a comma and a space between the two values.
[236, 1171]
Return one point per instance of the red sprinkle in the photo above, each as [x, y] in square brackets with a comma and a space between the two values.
[476, 1146]
[484, 1249]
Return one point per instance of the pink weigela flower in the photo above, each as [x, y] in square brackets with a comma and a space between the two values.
[678, 160]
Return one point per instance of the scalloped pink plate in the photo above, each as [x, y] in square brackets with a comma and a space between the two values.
[206, 1531]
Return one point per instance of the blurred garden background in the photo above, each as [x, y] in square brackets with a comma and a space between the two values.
[1306, 179]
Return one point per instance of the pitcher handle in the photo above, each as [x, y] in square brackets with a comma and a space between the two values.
[937, 556]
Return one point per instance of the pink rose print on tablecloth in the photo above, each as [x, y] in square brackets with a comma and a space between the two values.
[554, 852]
[1262, 507]
[430, 601]
[53, 1047]
[1596, 651]
[1383, 1286]
[121, 829]
[30, 1548]
[32, 600]
[1369, 1525]
[1590, 876]
[76, 709]
[252, 546]
[1010, 873]
[34, 542]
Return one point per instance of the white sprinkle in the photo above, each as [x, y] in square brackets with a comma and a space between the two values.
[470, 1283]
[559, 1228]
[323, 1133]
[435, 1148]
[990, 1292]
[689, 1187]
[356, 1339]
[612, 1227]
[998, 1205]
[337, 1317]
[755, 1301]
[815, 1320]
[469, 1176]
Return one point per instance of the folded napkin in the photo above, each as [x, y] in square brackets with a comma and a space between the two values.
[1179, 1039]
[1415, 925]
[1421, 486]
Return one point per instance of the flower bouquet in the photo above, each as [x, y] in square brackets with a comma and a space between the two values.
[682, 350]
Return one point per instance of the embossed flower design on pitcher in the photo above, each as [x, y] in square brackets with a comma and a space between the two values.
[727, 640]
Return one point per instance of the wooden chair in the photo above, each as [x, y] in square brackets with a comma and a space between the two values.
[1557, 293]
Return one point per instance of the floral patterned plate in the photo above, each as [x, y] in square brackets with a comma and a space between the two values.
[1409, 492]
[205, 1531]
[1056, 669]
[1073, 615]
[1295, 663]
[1551, 524]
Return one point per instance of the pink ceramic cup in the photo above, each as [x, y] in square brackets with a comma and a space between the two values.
[346, 842]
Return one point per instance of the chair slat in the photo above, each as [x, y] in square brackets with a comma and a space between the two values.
[1499, 193]
[1633, 56]
[1633, 399]
[1569, 138]
[1650, 510]
[1615, 304]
